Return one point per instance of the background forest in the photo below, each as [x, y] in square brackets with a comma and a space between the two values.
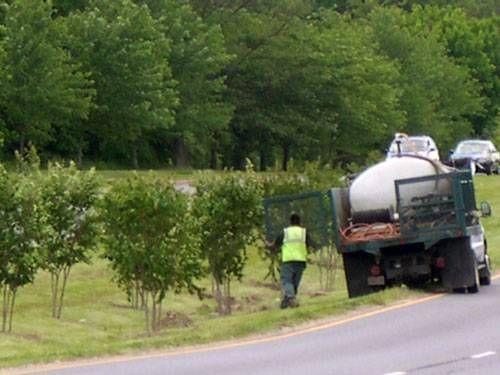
[208, 83]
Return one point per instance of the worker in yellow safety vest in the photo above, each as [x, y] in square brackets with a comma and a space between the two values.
[294, 243]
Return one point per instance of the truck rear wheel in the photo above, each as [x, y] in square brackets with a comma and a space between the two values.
[485, 273]
[474, 288]
[357, 270]
[490, 168]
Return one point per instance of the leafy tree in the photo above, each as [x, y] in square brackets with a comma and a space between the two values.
[152, 241]
[64, 7]
[197, 59]
[21, 225]
[361, 88]
[438, 95]
[471, 42]
[120, 44]
[483, 8]
[69, 197]
[230, 212]
[265, 78]
[275, 93]
[42, 85]
[302, 84]
[213, 82]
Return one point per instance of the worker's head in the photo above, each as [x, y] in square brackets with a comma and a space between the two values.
[294, 219]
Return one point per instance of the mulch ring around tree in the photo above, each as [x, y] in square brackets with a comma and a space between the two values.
[175, 319]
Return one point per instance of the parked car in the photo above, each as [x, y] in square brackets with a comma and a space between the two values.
[476, 155]
[421, 145]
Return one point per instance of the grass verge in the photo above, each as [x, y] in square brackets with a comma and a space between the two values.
[98, 321]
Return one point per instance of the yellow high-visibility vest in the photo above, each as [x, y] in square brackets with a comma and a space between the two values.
[294, 244]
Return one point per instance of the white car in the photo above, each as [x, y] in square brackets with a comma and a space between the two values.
[420, 145]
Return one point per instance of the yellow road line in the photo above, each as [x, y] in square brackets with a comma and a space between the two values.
[298, 332]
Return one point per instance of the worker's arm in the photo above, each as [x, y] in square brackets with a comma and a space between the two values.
[276, 244]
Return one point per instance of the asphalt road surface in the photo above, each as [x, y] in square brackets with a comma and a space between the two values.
[450, 334]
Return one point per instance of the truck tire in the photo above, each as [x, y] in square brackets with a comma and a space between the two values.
[474, 287]
[490, 168]
[485, 273]
[460, 272]
[357, 269]
[417, 282]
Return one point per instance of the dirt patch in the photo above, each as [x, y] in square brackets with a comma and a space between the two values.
[127, 306]
[250, 303]
[175, 319]
[317, 294]
[269, 285]
[28, 336]
[252, 299]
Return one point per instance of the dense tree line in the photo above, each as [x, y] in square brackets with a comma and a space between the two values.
[208, 83]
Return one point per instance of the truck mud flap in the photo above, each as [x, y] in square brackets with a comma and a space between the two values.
[357, 273]
[460, 265]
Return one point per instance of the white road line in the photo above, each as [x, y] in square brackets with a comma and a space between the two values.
[395, 373]
[482, 355]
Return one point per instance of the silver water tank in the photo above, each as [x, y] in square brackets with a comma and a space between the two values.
[374, 189]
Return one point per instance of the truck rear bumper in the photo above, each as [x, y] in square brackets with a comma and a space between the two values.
[410, 266]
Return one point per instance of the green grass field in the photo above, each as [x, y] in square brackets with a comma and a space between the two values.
[97, 320]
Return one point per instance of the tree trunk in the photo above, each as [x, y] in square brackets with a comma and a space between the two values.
[54, 283]
[227, 297]
[135, 158]
[5, 310]
[146, 313]
[9, 299]
[136, 296]
[66, 271]
[181, 158]
[79, 156]
[333, 268]
[263, 160]
[286, 157]
[219, 297]
[11, 312]
[160, 308]
[22, 144]
[213, 155]
[154, 326]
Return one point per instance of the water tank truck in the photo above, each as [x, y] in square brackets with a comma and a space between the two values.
[410, 220]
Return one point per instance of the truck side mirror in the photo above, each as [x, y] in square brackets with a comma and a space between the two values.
[485, 209]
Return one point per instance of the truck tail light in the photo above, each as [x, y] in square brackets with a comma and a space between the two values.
[375, 270]
[440, 263]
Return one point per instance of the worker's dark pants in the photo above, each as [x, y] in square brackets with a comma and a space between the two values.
[291, 273]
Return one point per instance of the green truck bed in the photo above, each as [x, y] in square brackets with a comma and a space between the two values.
[422, 218]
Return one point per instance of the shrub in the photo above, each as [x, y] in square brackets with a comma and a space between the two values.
[69, 198]
[152, 241]
[230, 212]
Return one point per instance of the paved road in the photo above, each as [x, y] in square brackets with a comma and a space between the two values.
[454, 334]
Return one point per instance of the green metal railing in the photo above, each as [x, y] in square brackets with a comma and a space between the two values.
[435, 203]
[311, 207]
